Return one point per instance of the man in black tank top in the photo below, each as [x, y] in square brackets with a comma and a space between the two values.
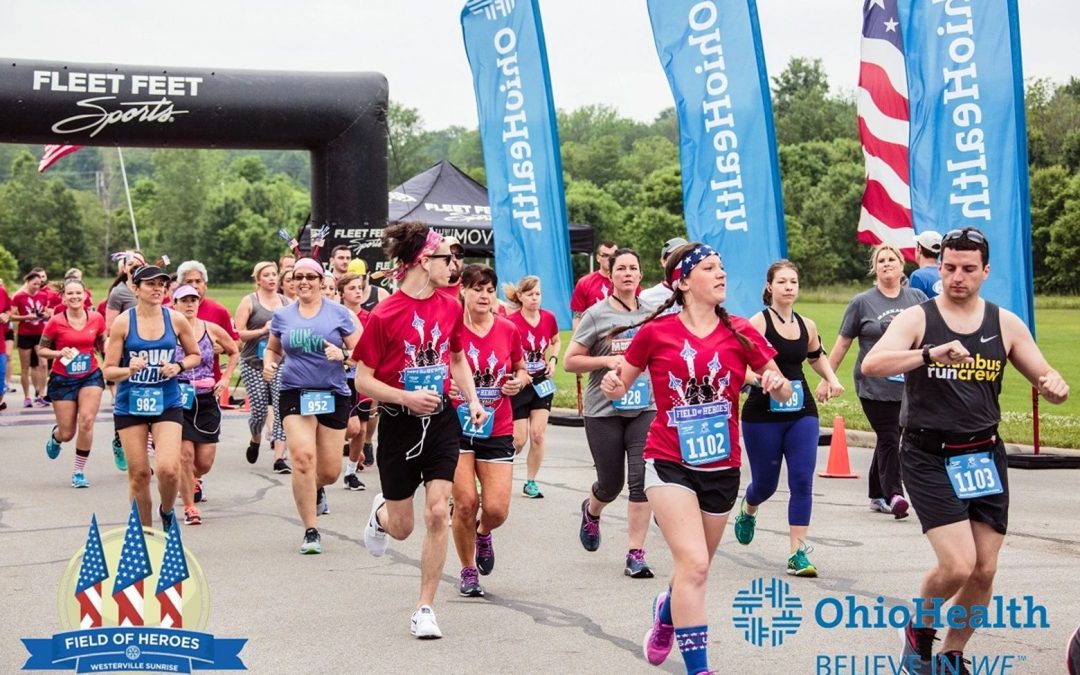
[953, 350]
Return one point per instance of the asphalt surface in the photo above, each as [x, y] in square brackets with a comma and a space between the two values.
[551, 607]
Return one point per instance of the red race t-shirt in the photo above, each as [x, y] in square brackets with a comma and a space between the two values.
[215, 312]
[535, 340]
[491, 359]
[24, 304]
[405, 338]
[589, 290]
[693, 377]
[5, 300]
[62, 335]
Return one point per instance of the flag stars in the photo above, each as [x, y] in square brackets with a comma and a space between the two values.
[890, 25]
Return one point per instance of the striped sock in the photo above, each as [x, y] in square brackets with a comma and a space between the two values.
[693, 644]
[80, 459]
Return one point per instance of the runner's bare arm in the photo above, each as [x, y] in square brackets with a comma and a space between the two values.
[896, 351]
[114, 350]
[553, 355]
[1026, 356]
[243, 313]
[839, 351]
[773, 382]
[271, 357]
[578, 360]
[617, 382]
[830, 386]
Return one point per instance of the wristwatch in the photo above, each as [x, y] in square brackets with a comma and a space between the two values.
[926, 355]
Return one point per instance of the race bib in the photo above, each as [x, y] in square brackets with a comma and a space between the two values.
[261, 348]
[793, 404]
[187, 396]
[146, 401]
[974, 475]
[424, 377]
[316, 402]
[636, 397]
[704, 440]
[544, 388]
[896, 378]
[470, 430]
[80, 365]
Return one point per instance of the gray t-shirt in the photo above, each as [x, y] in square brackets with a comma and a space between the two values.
[592, 333]
[121, 298]
[866, 318]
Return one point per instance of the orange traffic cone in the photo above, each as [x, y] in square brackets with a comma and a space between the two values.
[839, 466]
[225, 403]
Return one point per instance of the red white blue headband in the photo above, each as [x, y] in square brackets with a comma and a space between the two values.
[691, 260]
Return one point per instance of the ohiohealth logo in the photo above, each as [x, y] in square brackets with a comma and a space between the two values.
[149, 616]
[767, 612]
[492, 9]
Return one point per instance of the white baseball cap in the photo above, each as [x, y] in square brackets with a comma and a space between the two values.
[929, 240]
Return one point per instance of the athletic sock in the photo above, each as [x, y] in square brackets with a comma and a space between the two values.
[80, 459]
[350, 467]
[665, 610]
[693, 644]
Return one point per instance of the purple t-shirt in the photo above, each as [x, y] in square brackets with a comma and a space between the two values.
[306, 365]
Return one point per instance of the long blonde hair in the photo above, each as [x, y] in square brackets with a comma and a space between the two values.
[526, 284]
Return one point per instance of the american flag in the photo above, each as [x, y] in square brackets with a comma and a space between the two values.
[53, 153]
[883, 131]
[170, 584]
[134, 566]
[91, 573]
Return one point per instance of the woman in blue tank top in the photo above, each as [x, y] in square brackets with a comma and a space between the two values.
[148, 395]
[785, 432]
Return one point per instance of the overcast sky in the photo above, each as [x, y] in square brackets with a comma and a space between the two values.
[600, 51]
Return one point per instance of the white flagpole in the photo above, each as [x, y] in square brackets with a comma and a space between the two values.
[127, 193]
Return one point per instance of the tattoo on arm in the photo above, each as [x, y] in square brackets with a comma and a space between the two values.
[45, 342]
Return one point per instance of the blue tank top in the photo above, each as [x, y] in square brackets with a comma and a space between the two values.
[156, 353]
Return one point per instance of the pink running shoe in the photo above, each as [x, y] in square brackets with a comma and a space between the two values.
[660, 637]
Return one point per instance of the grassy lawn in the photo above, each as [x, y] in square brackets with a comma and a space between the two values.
[1057, 330]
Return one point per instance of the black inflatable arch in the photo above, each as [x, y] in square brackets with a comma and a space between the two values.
[339, 117]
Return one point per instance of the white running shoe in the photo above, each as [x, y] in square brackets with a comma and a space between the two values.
[424, 625]
[375, 539]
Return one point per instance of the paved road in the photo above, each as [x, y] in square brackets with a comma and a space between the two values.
[551, 607]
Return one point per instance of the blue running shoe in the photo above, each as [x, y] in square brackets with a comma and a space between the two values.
[52, 446]
[78, 480]
[590, 528]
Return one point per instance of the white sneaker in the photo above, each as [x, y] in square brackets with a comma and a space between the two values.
[375, 540]
[424, 625]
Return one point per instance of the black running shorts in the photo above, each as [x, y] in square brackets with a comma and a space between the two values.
[497, 450]
[716, 490]
[202, 421]
[121, 422]
[526, 401]
[415, 450]
[289, 404]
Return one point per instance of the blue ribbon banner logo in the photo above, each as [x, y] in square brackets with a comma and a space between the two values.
[149, 616]
[712, 55]
[504, 41]
[969, 162]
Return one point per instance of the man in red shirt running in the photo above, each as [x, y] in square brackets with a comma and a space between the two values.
[193, 273]
[594, 286]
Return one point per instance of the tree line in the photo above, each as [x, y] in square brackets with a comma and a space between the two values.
[622, 177]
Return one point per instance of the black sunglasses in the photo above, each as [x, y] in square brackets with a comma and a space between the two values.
[444, 256]
[973, 236]
[306, 277]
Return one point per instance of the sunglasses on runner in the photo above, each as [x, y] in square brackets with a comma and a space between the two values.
[306, 277]
[974, 236]
[445, 256]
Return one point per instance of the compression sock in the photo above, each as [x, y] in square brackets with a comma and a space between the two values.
[80, 459]
[693, 644]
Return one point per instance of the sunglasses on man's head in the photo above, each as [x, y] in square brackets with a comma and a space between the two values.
[974, 236]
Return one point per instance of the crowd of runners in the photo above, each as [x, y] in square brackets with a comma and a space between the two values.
[457, 385]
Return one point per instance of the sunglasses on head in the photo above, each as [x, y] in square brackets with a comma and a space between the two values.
[306, 277]
[973, 236]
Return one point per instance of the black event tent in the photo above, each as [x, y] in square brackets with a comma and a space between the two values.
[447, 199]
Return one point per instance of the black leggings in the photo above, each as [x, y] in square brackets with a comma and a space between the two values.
[884, 478]
[616, 444]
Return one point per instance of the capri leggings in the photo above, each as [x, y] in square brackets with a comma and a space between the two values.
[616, 444]
[795, 442]
[261, 394]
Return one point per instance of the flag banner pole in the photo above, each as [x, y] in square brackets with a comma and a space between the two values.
[712, 55]
[127, 193]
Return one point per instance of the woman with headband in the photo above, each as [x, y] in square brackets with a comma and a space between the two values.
[313, 336]
[696, 360]
[410, 347]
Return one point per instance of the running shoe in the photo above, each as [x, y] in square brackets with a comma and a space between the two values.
[424, 625]
[744, 525]
[636, 567]
[369, 455]
[590, 528]
[312, 542]
[27, 403]
[281, 466]
[353, 483]
[469, 586]
[118, 454]
[252, 453]
[880, 505]
[78, 480]
[199, 491]
[3, 406]
[166, 519]
[322, 507]
[375, 538]
[898, 506]
[485, 553]
[40, 402]
[798, 565]
[660, 637]
[918, 653]
[531, 491]
[952, 663]
[52, 446]
[192, 516]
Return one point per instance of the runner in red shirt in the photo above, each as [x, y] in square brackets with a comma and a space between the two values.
[70, 338]
[492, 347]
[56, 300]
[453, 289]
[594, 286]
[697, 361]
[540, 341]
[410, 346]
[7, 337]
[193, 273]
[31, 309]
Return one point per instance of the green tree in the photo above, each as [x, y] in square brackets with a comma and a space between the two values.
[1063, 249]
[184, 179]
[408, 143]
[1049, 192]
[804, 110]
[9, 270]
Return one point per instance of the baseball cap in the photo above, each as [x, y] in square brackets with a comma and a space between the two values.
[357, 266]
[453, 241]
[929, 240]
[147, 272]
[184, 291]
[672, 244]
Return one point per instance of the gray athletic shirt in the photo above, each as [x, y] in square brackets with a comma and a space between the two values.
[596, 322]
[866, 318]
[120, 298]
